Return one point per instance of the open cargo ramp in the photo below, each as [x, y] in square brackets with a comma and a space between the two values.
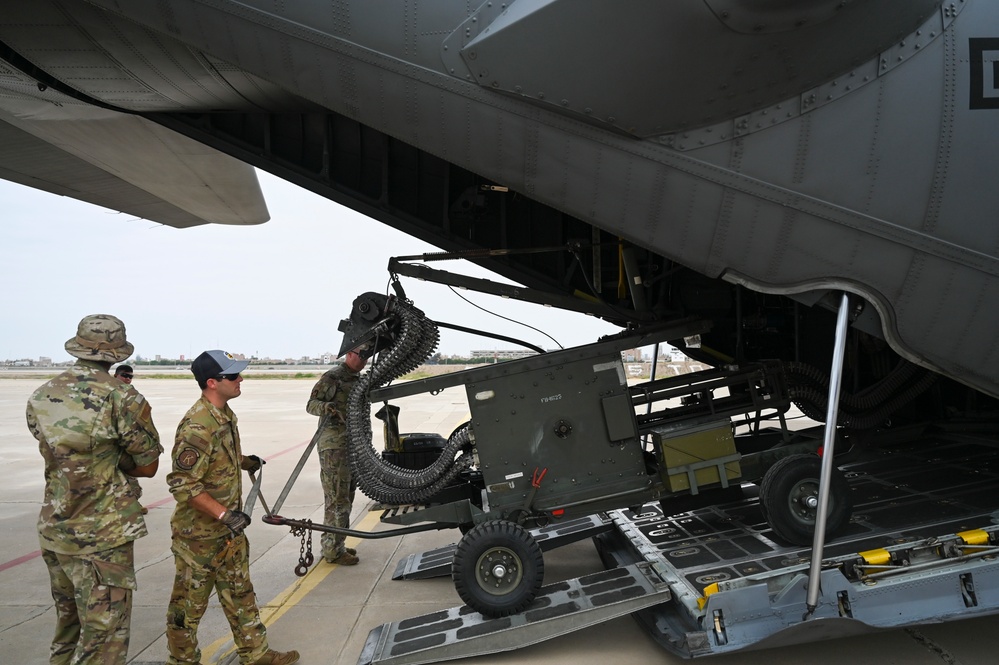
[922, 547]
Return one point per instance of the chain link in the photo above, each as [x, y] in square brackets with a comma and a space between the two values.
[305, 558]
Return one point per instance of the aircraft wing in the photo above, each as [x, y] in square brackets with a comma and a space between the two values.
[72, 149]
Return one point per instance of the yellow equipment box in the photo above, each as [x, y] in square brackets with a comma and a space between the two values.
[692, 457]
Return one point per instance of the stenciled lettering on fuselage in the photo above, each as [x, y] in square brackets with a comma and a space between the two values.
[984, 61]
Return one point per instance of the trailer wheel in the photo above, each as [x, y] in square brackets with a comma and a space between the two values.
[498, 568]
[789, 495]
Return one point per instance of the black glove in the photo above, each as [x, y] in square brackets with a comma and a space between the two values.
[333, 413]
[236, 520]
[126, 463]
[252, 463]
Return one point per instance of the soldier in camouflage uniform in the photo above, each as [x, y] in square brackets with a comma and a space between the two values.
[210, 549]
[124, 373]
[93, 432]
[329, 401]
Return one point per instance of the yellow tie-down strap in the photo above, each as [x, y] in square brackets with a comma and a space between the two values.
[974, 537]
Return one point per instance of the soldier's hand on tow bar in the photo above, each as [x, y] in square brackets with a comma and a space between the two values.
[252, 463]
[333, 413]
[236, 520]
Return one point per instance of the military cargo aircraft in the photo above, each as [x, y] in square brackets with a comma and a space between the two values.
[738, 163]
[734, 160]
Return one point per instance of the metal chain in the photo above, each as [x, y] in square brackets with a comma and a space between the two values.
[305, 558]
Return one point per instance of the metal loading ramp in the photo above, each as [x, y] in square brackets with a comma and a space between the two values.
[922, 547]
[560, 608]
[712, 612]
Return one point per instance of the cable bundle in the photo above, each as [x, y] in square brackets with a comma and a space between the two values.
[869, 408]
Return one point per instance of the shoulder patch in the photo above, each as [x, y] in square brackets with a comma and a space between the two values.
[187, 458]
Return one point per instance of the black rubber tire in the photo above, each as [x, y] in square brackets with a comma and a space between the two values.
[783, 490]
[492, 545]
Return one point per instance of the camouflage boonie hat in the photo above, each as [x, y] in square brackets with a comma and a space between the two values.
[100, 337]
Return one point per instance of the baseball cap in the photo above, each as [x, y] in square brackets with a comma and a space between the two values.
[211, 364]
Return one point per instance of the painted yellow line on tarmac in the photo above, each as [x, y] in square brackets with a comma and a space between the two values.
[291, 596]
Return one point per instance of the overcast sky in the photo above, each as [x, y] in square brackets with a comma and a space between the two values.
[275, 290]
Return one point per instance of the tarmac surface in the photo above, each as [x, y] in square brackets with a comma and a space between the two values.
[327, 614]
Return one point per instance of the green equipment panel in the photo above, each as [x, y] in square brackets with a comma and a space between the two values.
[570, 419]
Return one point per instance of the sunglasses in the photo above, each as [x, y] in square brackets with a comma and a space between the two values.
[227, 377]
[125, 376]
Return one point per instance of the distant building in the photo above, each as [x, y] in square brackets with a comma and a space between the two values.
[503, 354]
[44, 361]
[631, 355]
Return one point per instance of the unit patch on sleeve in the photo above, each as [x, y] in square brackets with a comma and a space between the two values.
[187, 458]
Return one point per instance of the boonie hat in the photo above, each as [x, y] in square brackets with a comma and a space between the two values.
[211, 364]
[100, 337]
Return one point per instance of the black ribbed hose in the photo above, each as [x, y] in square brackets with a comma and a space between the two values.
[414, 338]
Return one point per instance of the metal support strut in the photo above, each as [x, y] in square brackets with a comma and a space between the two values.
[828, 453]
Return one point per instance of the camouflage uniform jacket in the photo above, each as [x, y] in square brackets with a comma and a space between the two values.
[329, 397]
[85, 421]
[206, 458]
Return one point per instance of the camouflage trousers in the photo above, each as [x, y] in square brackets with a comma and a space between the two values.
[338, 492]
[93, 603]
[219, 564]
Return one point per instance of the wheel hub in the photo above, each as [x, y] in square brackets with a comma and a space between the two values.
[498, 571]
[804, 500]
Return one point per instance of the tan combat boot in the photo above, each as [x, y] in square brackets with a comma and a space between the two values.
[273, 657]
[345, 559]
